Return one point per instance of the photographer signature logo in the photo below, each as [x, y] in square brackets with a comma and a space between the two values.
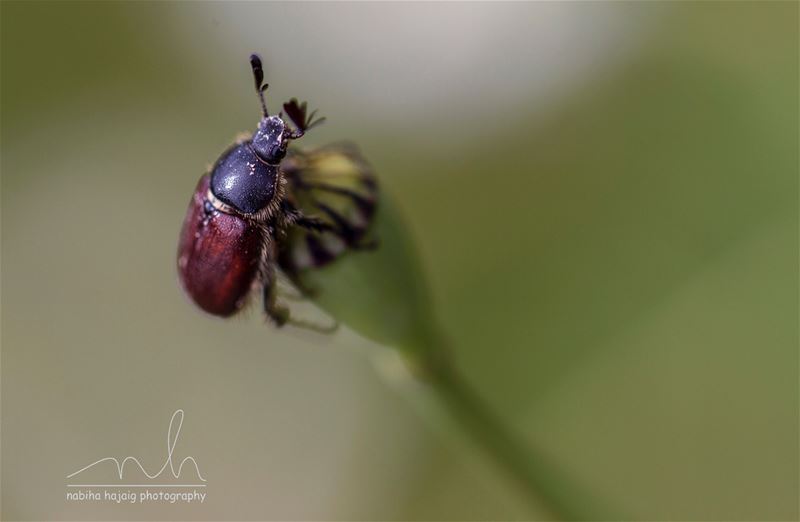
[124, 492]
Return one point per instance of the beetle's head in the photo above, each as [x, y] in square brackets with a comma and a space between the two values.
[272, 136]
[269, 141]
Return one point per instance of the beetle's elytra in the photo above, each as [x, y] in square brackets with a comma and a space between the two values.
[218, 255]
[266, 206]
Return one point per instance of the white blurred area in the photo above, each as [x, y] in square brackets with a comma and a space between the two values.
[426, 67]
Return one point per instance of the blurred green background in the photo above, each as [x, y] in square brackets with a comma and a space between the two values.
[604, 196]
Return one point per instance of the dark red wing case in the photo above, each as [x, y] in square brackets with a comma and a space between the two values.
[218, 256]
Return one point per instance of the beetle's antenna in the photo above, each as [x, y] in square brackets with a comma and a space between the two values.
[258, 75]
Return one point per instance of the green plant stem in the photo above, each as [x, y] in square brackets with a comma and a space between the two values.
[442, 392]
[532, 469]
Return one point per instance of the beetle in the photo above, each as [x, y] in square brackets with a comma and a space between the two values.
[267, 206]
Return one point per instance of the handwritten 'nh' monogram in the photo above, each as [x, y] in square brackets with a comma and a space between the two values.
[171, 442]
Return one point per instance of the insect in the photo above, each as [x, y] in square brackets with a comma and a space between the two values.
[267, 206]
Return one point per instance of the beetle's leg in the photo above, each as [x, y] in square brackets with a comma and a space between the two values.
[279, 314]
[344, 231]
[340, 227]
[351, 235]
[294, 216]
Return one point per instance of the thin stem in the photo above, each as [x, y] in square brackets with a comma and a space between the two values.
[436, 383]
[532, 469]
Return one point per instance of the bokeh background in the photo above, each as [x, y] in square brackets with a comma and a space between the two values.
[604, 196]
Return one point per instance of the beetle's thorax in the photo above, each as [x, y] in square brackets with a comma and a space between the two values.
[243, 183]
